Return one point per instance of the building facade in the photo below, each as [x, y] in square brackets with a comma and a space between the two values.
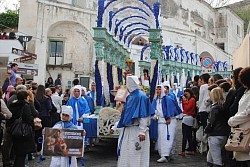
[62, 33]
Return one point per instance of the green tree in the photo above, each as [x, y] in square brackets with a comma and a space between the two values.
[244, 14]
[9, 19]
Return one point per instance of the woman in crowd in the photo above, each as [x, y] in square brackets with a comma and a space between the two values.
[44, 113]
[4, 114]
[216, 129]
[238, 93]
[22, 145]
[242, 117]
[49, 83]
[9, 92]
[189, 107]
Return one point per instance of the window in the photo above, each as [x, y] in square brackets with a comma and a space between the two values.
[56, 48]
[221, 45]
[238, 30]
[56, 52]
[74, 2]
[85, 81]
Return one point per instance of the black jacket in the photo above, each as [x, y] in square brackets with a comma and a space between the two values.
[23, 146]
[238, 94]
[217, 122]
[28, 116]
[229, 101]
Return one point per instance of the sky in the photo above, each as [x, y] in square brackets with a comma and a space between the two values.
[8, 4]
[11, 4]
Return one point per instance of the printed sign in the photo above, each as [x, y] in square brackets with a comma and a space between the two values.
[63, 142]
[26, 55]
[207, 62]
[121, 94]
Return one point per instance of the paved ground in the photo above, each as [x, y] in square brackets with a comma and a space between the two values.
[104, 155]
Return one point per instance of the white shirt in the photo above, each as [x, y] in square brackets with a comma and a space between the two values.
[203, 97]
[57, 101]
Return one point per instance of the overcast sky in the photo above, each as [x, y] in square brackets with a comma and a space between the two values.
[11, 4]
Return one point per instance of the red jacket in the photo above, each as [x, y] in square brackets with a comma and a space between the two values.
[189, 107]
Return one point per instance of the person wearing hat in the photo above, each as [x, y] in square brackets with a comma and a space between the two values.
[134, 143]
[79, 105]
[65, 123]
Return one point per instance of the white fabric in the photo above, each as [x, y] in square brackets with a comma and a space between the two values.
[165, 146]
[144, 82]
[85, 90]
[62, 161]
[4, 109]
[129, 156]
[162, 90]
[57, 101]
[188, 120]
[242, 119]
[159, 113]
[203, 97]
[77, 117]
[132, 83]
[79, 87]
[67, 110]
[166, 83]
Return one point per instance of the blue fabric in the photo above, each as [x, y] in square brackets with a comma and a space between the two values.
[92, 95]
[137, 106]
[13, 77]
[82, 105]
[153, 130]
[90, 126]
[120, 145]
[170, 107]
[172, 95]
[90, 103]
[67, 125]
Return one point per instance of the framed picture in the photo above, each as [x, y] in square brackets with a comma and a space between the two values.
[121, 94]
[63, 142]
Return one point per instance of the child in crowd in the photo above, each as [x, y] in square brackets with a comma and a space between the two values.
[66, 116]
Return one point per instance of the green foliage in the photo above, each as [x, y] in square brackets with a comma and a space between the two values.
[9, 19]
[244, 14]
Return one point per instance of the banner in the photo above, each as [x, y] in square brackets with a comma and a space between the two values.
[63, 142]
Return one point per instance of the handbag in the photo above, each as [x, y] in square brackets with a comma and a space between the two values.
[239, 140]
[19, 128]
[37, 123]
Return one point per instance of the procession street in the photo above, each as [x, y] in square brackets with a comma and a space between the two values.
[103, 154]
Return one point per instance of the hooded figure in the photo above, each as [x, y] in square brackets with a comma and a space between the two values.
[90, 101]
[135, 119]
[66, 116]
[165, 111]
[79, 105]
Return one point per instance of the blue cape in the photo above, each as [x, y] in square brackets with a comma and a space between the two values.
[90, 103]
[137, 106]
[67, 125]
[82, 105]
[170, 107]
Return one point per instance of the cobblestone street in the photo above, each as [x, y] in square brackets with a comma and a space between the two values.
[104, 155]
